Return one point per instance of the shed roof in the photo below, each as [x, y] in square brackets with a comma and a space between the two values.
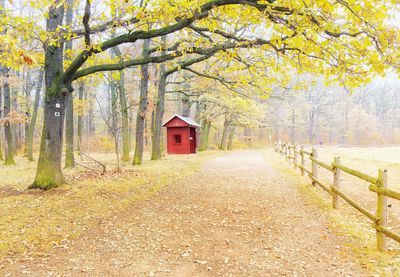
[188, 120]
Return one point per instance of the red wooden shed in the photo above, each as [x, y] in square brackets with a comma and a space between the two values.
[181, 135]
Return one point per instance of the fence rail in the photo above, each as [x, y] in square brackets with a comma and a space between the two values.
[378, 185]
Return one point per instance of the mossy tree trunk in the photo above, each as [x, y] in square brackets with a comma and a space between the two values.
[14, 127]
[143, 102]
[69, 133]
[160, 108]
[49, 171]
[114, 118]
[9, 157]
[9, 153]
[32, 123]
[69, 119]
[126, 146]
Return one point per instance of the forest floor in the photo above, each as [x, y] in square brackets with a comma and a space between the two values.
[239, 215]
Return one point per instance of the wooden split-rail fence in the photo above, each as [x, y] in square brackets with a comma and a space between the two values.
[379, 185]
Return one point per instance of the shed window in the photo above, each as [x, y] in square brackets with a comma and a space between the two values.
[177, 139]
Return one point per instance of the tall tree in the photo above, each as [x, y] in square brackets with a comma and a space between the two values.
[1, 131]
[224, 137]
[81, 89]
[204, 135]
[159, 114]
[143, 103]
[9, 159]
[69, 118]
[126, 146]
[114, 115]
[49, 172]
[29, 84]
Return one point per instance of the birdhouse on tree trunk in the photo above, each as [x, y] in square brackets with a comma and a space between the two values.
[181, 135]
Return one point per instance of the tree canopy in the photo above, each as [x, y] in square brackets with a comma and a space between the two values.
[250, 46]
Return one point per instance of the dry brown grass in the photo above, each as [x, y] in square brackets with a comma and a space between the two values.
[32, 222]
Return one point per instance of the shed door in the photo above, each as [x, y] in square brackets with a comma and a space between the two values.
[192, 139]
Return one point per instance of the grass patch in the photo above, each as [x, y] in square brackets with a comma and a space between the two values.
[32, 222]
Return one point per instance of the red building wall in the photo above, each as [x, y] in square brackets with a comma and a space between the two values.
[174, 147]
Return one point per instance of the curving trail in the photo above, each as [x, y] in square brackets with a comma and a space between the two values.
[237, 216]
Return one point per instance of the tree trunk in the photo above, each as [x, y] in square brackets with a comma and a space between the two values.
[156, 146]
[9, 153]
[80, 117]
[146, 128]
[49, 171]
[141, 114]
[125, 120]
[85, 129]
[69, 133]
[2, 5]
[230, 137]
[69, 120]
[32, 123]
[114, 120]
[248, 136]
[1, 131]
[204, 135]
[91, 123]
[197, 116]
[224, 138]
[185, 105]
[15, 127]
[28, 105]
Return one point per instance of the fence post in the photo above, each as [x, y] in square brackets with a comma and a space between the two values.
[286, 152]
[336, 183]
[314, 169]
[295, 158]
[302, 160]
[381, 210]
[290, 155]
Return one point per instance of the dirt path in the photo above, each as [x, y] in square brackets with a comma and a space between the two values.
[235, 217]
